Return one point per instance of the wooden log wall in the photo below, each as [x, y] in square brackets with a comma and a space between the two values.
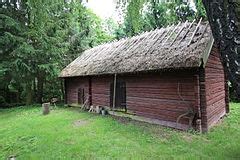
[72, 85]
[151, 95]
[101, 90]
[215, 88]
[156, 95]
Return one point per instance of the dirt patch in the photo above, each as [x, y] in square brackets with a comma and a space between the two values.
[80, 123]
[127, 120]
[156, 130]
[187, 138]
[123, 120]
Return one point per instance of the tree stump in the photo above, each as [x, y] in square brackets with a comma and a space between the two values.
[46, 108]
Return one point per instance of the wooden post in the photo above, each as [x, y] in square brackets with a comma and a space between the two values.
[187, 31]
[197, 104]
[195, 32]
[90, 90]
[203, 103]
[174, 29]
[199, 125]
[114, 89]
[65, 91]
[185, 24]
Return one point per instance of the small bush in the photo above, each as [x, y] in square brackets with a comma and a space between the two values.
[11, 105]
[2, 100]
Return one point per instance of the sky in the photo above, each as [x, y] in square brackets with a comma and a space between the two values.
[107, 8]
[103, 8]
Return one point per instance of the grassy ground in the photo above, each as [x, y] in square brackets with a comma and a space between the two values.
[68, 133]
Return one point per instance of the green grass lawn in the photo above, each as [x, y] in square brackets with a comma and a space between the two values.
[67, 133]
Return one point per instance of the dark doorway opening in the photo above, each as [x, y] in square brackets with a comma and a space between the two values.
[80, 96]
[120, 97]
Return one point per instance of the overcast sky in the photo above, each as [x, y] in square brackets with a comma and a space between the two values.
[106, 8]
[103, 8]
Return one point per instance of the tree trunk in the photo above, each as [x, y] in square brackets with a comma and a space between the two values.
[29, 93]
[63, 97]
[35, 89]
[40, 82]
[225, 24]
[155, 14]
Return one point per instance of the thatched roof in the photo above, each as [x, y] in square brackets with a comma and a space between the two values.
[180, 46]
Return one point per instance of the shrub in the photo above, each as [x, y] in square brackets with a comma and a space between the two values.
[2, 100]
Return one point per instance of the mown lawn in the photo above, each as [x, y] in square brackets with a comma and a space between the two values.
[68, 133]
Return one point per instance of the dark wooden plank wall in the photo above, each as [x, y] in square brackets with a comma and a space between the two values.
[151, 95]
[101, 90]
[72, 86]
[215, 88]
[156, 95]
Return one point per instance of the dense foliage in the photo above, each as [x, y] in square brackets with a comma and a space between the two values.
[145, 15]
[37, 39]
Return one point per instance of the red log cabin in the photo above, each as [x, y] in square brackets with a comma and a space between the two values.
[173, 76]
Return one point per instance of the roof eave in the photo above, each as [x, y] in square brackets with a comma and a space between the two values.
[207, 52]
[135, 72]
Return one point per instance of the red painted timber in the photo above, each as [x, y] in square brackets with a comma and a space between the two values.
[215, 88]
[72, 86]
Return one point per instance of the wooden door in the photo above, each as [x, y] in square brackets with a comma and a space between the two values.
[80, 95]
[120, 101]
